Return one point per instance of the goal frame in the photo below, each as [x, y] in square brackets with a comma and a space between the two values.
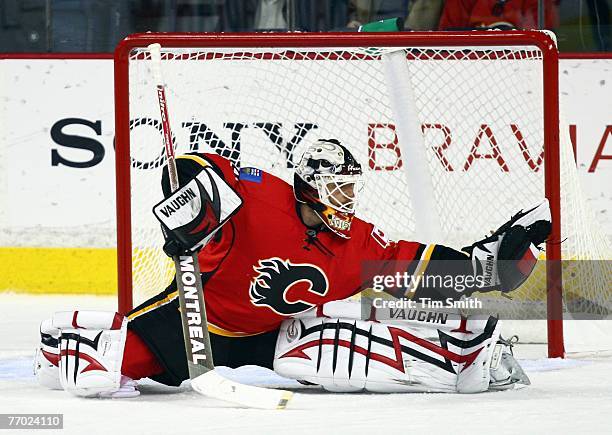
[550, 86]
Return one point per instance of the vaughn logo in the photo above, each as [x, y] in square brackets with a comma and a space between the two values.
[276, 277]
[183, 199]
[484, 266]
[194, 209]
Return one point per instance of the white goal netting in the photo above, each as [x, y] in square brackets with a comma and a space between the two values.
[480, 124]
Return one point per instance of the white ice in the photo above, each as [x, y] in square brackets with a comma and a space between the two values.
[566, 396]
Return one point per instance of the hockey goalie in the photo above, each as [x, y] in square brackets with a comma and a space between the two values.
[279, 258]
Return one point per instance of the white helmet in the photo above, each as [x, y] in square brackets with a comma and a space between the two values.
[328, 179]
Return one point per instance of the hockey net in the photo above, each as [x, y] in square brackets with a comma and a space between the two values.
[483, 143]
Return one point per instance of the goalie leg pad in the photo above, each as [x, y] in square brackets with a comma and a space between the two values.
[91, 346]
[46, 360]
[348, 355]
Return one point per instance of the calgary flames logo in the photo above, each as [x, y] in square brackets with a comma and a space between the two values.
[275, 277]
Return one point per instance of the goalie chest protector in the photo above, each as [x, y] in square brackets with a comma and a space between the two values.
[267, 265]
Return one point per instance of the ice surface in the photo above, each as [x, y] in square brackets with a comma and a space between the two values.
[566, 396]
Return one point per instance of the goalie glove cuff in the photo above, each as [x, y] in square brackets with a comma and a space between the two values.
[173, 247]
[503, 262]
[517, 258]
[505, 259]
[192, 214]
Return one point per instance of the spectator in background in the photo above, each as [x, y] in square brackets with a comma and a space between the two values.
[23, 27]
[88, 25]
[502, 14]
[599, 12]
[424, 14]
[362, 12]
[421, 14]
[269, 15]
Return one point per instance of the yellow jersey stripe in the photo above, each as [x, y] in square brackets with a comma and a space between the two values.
[154, 305]
[196, 159]
[420, 269]
[211, 328]
[225, 333]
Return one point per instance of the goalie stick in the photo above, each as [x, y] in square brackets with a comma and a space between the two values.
[204, 379]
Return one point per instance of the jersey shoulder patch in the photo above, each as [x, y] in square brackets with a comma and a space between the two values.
[251, 174]
[380, 237]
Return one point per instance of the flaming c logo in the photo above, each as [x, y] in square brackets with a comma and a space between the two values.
[275, 277]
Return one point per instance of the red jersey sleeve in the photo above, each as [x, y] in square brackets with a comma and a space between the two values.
[376, 246]
[381, 256]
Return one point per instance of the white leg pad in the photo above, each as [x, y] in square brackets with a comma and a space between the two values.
[46, 360]
[348, 355]
[91, 354]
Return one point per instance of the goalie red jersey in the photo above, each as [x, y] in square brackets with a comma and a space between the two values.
[283, 250]
[266, 265]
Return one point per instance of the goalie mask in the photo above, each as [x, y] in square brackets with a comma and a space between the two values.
[329, 179]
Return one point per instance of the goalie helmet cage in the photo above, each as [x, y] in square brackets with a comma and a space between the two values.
[245, 95]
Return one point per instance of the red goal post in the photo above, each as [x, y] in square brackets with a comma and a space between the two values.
[435, 45]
